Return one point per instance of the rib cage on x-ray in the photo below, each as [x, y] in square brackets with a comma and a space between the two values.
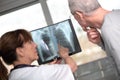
[48, 38]
[53, 36]
[47, 52]
[62, 39]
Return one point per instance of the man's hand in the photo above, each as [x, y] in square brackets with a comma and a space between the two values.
[94, 35]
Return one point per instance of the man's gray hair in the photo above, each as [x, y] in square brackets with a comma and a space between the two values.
[85, 6]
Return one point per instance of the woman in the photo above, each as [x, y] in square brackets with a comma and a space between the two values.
[17, 48]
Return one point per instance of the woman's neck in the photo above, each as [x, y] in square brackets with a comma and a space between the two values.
[21, 62]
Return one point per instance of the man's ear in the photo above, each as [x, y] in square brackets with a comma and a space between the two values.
[19, 51]
[79, 14]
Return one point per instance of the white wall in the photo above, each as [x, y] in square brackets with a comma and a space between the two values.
[110, 4]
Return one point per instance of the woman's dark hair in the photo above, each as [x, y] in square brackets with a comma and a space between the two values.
[10, 41]
[3, 71]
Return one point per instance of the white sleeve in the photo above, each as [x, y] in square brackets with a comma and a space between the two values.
[57, 72]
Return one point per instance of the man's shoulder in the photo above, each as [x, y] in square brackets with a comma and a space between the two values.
[115, 11]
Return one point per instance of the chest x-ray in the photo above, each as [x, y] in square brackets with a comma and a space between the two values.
[48, 38]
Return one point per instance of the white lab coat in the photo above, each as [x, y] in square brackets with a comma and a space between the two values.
[43, 72]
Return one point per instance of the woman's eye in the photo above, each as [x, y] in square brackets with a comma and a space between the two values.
[30, 41]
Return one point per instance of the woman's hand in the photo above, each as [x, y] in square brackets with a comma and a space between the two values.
[56, 61]
[64, 52]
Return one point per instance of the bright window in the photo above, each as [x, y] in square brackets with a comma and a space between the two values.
[59, 10]
[27, 18]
